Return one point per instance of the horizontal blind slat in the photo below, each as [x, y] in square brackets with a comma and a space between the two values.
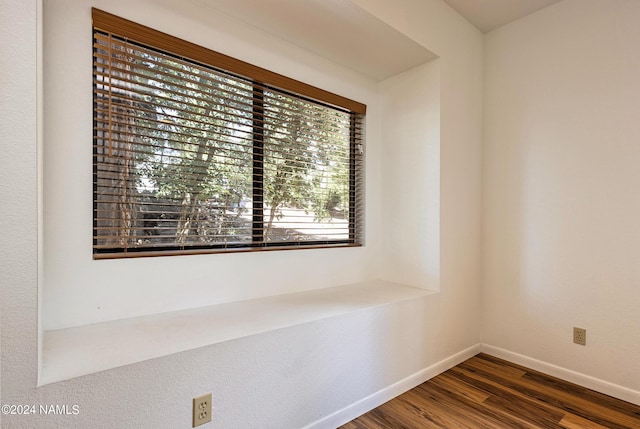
[273, 114]
[189, 156]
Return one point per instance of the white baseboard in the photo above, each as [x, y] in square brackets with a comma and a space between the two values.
[378, 398]
[584, 380]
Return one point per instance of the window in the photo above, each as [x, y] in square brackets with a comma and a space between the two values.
[197, 152]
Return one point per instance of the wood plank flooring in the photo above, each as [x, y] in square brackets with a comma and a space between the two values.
[487, 392]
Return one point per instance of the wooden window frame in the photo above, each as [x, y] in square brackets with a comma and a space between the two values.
[107, 23]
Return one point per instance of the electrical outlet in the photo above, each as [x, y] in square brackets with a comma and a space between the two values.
[201, 410]
[580, 336]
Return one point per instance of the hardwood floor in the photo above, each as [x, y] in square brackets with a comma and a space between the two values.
[487, 392]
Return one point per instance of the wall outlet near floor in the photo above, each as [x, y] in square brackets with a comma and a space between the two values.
[580, 336]
[202, 410]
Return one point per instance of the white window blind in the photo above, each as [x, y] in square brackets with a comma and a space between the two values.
[194, 154]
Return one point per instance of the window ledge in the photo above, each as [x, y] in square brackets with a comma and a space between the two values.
[73, 352]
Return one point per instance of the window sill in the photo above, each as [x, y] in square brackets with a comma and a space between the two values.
[73, 352]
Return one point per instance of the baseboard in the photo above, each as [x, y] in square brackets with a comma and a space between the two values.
[584, 380]
[378, 398]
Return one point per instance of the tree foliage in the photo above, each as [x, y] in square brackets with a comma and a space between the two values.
[190, 136]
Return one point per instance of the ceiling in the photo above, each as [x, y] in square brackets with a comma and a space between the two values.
[344, 33]
[487, 15]
[337, 30]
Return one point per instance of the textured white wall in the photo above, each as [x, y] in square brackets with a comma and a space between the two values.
[410, 110]
[561, 181]
[287, 378]
[18, 209]
[459, 46]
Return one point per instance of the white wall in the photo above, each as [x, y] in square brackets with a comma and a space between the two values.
[283, 379]
[561, 184]
[410, 177]
[459, 47]
[18, 209]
